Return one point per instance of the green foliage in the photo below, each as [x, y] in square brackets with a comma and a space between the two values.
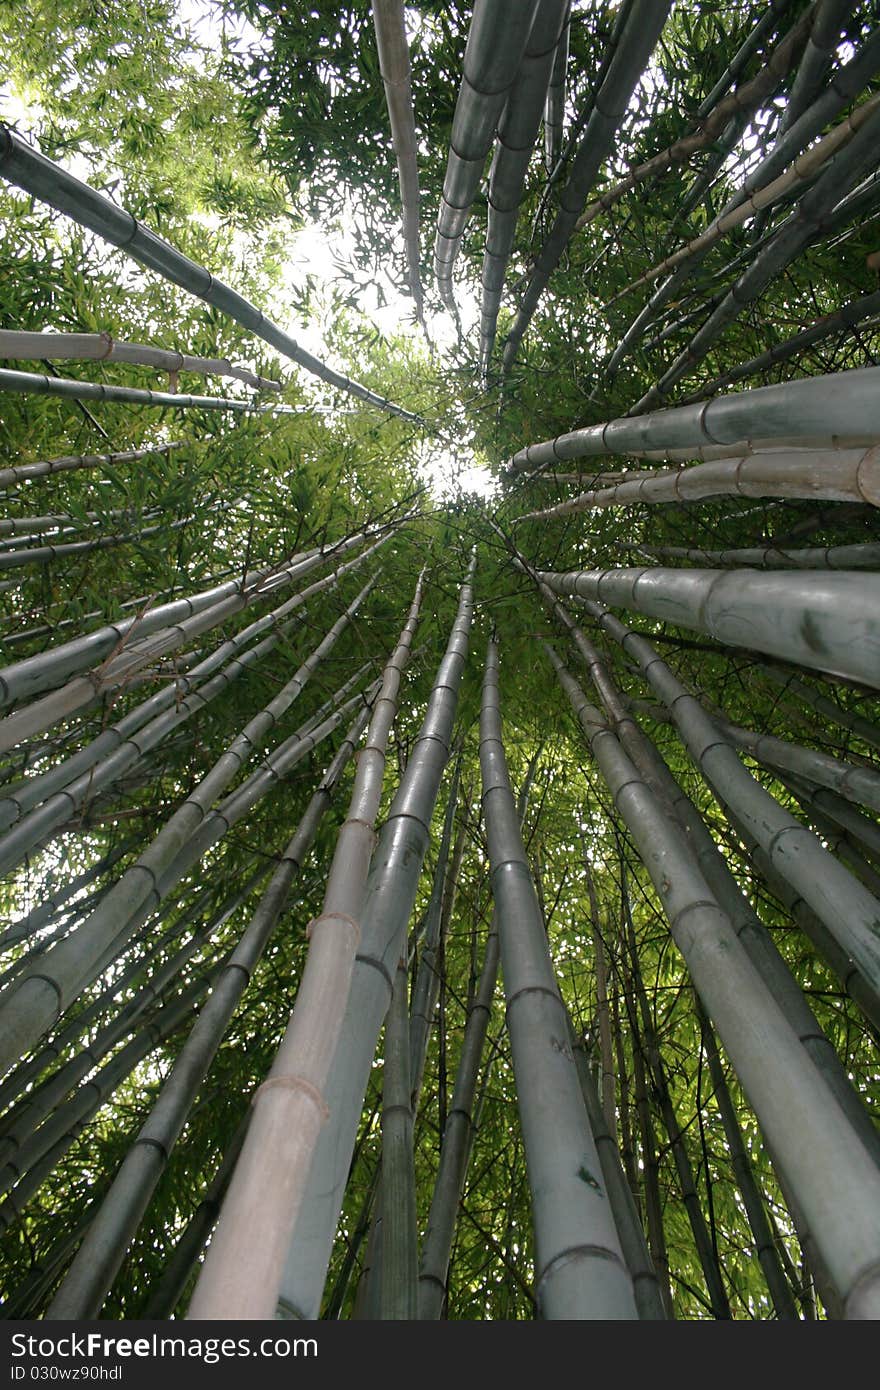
[226, 154]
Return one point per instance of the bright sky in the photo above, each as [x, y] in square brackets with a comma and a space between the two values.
[324, 254]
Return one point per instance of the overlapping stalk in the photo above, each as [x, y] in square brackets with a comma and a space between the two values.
[42, 995]
[40, 1153]
[714, 122]
[644, 23]
[92, 1272]
[838, 475]
[73, 389]
[828, 18]
[390, 26]
[398, 1295]
[388, 902]
[857, 311]
[458, 1132]
[132, 658]
[765, 1246]
[839, 177]
[646, 1285]
[830, 622]
[579, 1267]
[41, 178]
[242, 1272]
[554, 107]
[50, 798]
[841, 405]
[517, 133]
[851, 913]
[845, 86]
[864, 556]
[102, 347]
[41, 1100]
[797, 1112]
[47, 554]
[801, 170]
[22, 472]
[496, 42]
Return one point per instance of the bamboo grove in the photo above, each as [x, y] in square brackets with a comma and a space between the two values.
[427, 898]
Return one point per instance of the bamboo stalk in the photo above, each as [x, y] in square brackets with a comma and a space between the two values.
[840, 475]
[742, 101]
[765, 1246]
[647, 1288]
[837, 404]
[495, 45]
[517, 133]
[398, 1297]
[73, 389]
[833, 557]
[47, 554]
[102, 347]
[129, 661]
[47, 801]
[644, 22]
[390, 893]
[830, 622]
[388, 19]
[100, 1255]
[579, 1267]
[41, 996]
[791, 1101]
[22, 472]
[23, 166]
[845, 86]
[804, 225]
[850, 913]
[801, 170]
[856, 312]
[290, 1108]
[554, 108]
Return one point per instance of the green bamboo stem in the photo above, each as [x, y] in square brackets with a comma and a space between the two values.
[495, 45]
[130, 660]
[103, 347]
[744, 100]
[790, 1099]
[388, 20]
[42, 1099]
[23, 472]
[706, 1254]
[644, 23]
[849, 911]
[98, 1260]
[839, 405]
[388, 901]
[865, 556]
[23, 166]
[41, 996]
[830, 622]
[765, 1246]
[398, 1297]
[169, 1288]
[646, 1284]
[127, 743]
[841, 475]
[579, 1267]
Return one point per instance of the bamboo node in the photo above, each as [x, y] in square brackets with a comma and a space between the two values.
[334, 917]
[294, 1083]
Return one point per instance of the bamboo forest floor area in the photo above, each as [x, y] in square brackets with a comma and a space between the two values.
[440, 618]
